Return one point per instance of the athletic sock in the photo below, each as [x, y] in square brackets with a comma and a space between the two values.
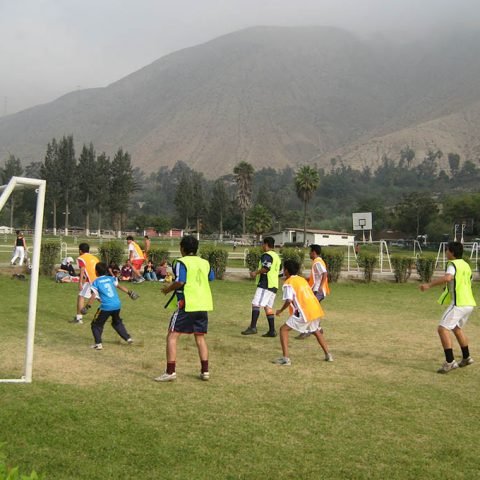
[204, 365]
[170, 367]
[449, 355]
[271, 323]
[255, 315]
[465, 352]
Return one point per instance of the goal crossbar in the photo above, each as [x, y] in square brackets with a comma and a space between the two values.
[6, 191]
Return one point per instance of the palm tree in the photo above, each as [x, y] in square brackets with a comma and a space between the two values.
[307, 180]
[259, 220]
[243, 178]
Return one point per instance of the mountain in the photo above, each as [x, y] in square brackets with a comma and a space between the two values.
[273, 96]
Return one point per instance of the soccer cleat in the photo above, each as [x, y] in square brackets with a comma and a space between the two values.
[328, 357]
[464, 362]
[166, 377]
[97, 346]
[249, 331]
[76, 320]
[205, 376]
[303, 336]
[130, 341]
[446, 367]
[282, 361]
[270, 334]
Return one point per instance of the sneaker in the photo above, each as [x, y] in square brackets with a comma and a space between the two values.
[76, 320]
[139, 280]
[249, 331]
[166, 377]
[446, 367]
[465, 362]
[328, 357]
[205, 376]
[97, 346]
[130, 341]
[303, 336]
[282, 361]
[270, 334]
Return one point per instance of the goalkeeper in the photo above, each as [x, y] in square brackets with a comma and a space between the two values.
[105, 289]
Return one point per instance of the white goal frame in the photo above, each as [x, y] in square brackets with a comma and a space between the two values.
[6, 191]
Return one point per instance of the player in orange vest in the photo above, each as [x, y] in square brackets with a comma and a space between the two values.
[136, 257]
[318, 279]
[305, 311]
[86, 261]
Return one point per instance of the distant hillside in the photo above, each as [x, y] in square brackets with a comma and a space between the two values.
[272, 96]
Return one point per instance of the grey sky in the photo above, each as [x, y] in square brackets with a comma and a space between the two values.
[51, 47]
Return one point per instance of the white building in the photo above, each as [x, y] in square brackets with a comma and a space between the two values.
[4, 229]
[323, 238]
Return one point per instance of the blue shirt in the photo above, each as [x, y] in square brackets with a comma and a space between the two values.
[105, 288]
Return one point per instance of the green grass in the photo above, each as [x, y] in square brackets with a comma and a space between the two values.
[378, 411]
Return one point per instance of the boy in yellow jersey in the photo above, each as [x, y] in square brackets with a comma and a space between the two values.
[458, 293]
[86, 261]
[305, 311]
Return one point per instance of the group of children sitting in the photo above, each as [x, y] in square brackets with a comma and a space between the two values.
[66, 272]
[150, 272]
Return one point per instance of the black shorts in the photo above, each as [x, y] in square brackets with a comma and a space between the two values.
[189, 322]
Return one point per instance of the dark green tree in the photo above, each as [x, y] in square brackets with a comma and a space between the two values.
[87, 179]
[12, 168]
[67, 169]
[103, 187]
[219, 203]
[259, 220]
[454, 163]
[51, 172]
[122, 187]
[415, 212]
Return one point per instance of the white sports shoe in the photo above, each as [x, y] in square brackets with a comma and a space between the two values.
[205, 376]
[464, 362]
[166, 377]
[97, 346]
[446, 367]
[328, 357]
[130, 341]
[282, 361]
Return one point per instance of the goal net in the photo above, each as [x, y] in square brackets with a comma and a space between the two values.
[6, 191]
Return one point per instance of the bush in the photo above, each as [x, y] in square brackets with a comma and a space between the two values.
[49, 255]
[402, 267]
[425, 268]
[217, 257]
[156, 255]
[334, 262]
[367, 261]
[297, 254]
[112, 251]
[253, 257]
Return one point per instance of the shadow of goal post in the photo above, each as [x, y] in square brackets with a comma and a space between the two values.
[17, 183]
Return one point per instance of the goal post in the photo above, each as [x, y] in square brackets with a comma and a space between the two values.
[6, 191]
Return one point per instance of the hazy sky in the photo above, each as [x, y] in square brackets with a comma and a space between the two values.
[51, 47]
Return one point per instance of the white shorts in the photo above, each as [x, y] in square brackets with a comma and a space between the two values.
[455, 317]
[300, 325]
[263, 298]
[86, 291]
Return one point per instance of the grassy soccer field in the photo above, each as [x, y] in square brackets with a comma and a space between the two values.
[378, 411]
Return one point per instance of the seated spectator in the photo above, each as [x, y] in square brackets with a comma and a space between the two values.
[162, 270]
[113, 269]
[126, 273]
[66, 273]
[149, 272]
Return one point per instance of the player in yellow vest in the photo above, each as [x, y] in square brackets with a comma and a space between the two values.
[194, 301]
[266, 277]
[305, 311]
[458, 291]
[86, 261]
[318, 279]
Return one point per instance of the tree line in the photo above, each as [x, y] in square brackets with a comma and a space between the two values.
[96, 192]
